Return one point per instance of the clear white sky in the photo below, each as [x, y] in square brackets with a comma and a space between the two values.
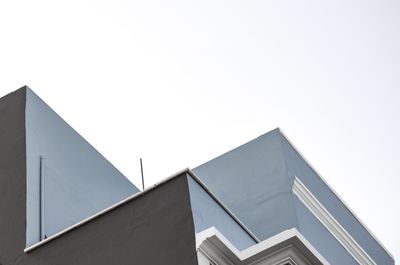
[180, 82]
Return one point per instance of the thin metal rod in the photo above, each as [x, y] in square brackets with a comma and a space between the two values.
[141, 169]
[41, 198]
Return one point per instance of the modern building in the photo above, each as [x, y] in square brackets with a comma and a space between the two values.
[63, 203]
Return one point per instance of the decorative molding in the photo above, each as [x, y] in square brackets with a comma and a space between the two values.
[331, 224]
[336, 194]
[285, 256]
[214, 254]
[288, 247]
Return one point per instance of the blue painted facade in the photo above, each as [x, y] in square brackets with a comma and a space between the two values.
[255, 182]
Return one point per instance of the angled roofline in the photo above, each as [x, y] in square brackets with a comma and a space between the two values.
[335, 193]
[27, 88]
[139, 194]
[109, 209]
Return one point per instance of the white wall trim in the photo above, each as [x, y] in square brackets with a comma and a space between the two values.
[133, 197]
[331, 224]
[282, 248]
[102, 212]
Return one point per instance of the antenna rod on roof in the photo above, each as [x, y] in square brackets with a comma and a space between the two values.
[41, 199]
[141, 169]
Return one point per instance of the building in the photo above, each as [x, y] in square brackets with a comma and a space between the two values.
[61, 202]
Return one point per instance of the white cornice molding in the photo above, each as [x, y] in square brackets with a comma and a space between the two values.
[336, 194]
[331, 224]
[214, 254]
[283, 248]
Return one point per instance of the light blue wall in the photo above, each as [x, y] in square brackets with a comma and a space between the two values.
[207, 213]
[78, 180]
[252, 182]
[255, 182]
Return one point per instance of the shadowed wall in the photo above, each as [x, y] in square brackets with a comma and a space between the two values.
[155, 228]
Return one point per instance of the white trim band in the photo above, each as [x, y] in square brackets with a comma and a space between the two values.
[134, 196]
[287, 247]
[331, 224]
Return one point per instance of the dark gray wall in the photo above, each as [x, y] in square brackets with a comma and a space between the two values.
[12, 177]
[156, 228]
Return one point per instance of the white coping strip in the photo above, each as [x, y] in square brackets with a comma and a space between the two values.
[337, 195]
[331, 224]
[134, 196]
[260, 247]
[84, 221]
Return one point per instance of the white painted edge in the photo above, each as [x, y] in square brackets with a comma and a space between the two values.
[257, 248]
[336, 194]
[136, 195]
[90, 218]
[331, 224]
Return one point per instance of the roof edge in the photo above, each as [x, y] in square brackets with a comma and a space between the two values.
[139, 194]
[105, 211]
